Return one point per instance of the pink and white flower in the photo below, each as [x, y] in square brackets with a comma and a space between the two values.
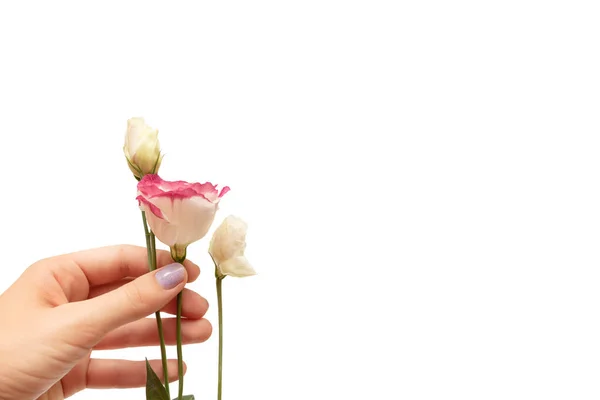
[179, 213]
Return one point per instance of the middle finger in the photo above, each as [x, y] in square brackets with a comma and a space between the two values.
[194, 306]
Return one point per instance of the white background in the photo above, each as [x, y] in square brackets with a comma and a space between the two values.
[420, 179]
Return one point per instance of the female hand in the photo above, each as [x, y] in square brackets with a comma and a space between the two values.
[64, 307]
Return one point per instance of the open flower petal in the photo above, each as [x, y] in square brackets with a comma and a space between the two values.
[237, 266]
[179, 213]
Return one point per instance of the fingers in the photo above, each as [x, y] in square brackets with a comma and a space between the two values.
[194, 305]
[121, 374]
[108, 264]
[132, 301]
[108, 287]
[144, 333]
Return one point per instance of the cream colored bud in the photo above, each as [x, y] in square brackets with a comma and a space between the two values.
[227, 248]
[142, 149]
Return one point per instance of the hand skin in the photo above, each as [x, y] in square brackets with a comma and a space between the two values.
[63, 308]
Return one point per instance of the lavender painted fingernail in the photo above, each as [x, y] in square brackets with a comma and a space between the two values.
[170, 276]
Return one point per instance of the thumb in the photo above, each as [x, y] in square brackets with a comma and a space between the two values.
[134, 300]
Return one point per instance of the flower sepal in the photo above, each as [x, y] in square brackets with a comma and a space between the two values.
[178, 253]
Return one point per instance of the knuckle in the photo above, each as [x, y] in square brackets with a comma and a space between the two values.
[133, 295]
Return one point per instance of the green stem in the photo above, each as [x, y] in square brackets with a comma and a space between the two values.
[163, 352]
[178, 255]
[148, 245]
[151, 248]
[220, 309]
[179, 348]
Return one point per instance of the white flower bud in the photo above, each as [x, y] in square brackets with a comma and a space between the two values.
[227, 248]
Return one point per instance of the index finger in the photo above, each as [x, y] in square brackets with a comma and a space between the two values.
[112, 263]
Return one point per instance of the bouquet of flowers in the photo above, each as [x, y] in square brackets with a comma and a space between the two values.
[178, 214]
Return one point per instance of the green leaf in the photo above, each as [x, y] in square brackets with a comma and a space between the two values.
[154, 387]
[186, 397]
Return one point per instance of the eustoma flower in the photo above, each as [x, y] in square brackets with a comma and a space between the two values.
[227, 248]
[227, 251]
[179, 213]
[142, 149]
[142, 152]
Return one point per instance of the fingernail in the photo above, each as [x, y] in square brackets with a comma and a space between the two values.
[170, 276]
